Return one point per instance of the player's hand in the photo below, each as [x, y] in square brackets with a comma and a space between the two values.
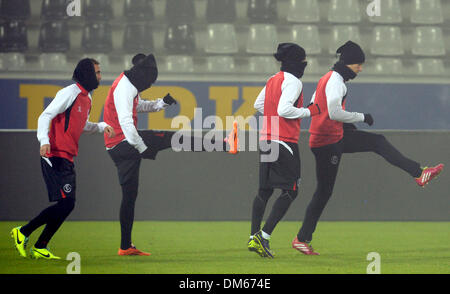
[368, 119]
[109, 131]
[45, 149]
[149, 153]
[169, 99]
[314, 109]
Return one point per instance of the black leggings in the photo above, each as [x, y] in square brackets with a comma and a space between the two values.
[128, 160]
[327, 165]
[279, 209]
[53, 217]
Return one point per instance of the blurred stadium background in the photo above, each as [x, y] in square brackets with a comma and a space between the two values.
[216, 55]
[410, 39]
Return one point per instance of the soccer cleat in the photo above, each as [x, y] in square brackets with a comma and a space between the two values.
[428, 173]
[44, 253]
[252, 246]
[263, 245]
[233, 140]
[303, 247]
[132, 251]
[20, 241]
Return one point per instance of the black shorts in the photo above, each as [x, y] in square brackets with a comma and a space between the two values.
[284, 172]
[59, 176]
[128, 159]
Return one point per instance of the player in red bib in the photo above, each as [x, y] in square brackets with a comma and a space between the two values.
[59, 129]
[333, 133]
[281, 103]
[131, 145]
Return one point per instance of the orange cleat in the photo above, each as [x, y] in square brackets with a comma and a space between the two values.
[132, 251]
[233, 140]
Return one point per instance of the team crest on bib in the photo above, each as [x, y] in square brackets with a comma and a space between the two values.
[334, 159]
[67, 188]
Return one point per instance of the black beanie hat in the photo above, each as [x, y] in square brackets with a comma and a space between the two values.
[287, 52]
[292, 58]
[351, 53]
[138, 58]
[144, 73]
[84, 74]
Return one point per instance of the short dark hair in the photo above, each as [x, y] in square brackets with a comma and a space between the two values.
[94, 61]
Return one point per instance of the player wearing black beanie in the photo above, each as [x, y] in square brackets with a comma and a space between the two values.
[333, 133]
[292, 58]
[281, 103]
[349, 54]
[143, 74]
[131, 145]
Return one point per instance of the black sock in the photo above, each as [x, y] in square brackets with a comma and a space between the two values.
[259, 207]
[129, 195]
[417, 173]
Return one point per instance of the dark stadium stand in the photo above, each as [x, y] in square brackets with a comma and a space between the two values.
[138, 10]
[410, 38]
[53, 37]
[15, 9]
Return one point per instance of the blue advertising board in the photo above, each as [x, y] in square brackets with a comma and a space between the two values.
[393, 106]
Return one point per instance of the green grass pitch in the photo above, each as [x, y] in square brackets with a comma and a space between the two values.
[220, 248]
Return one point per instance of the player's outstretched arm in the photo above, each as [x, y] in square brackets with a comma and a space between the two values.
[155, 105]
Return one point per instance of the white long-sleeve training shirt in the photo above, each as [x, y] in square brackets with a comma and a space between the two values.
[281, 103]
[290, 91]
[62, 101]
[124, 95]
[335, 91]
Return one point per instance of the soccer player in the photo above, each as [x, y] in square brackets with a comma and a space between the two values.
[68, 115]
[280, 101]
[130, 145]
[333, 133]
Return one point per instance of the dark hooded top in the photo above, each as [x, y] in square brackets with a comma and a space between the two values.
[84, 74]
[144, 73]
[292, 58]
[138, 58]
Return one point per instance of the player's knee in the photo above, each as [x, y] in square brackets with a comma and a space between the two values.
[67, 205]
[129, 200]
[291, 194]
[380, 141]
[264, 194]
[129, 191]
[323, 191]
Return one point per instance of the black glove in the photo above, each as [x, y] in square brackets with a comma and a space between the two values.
[169, 99]
[149, 153]
[368, 119]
